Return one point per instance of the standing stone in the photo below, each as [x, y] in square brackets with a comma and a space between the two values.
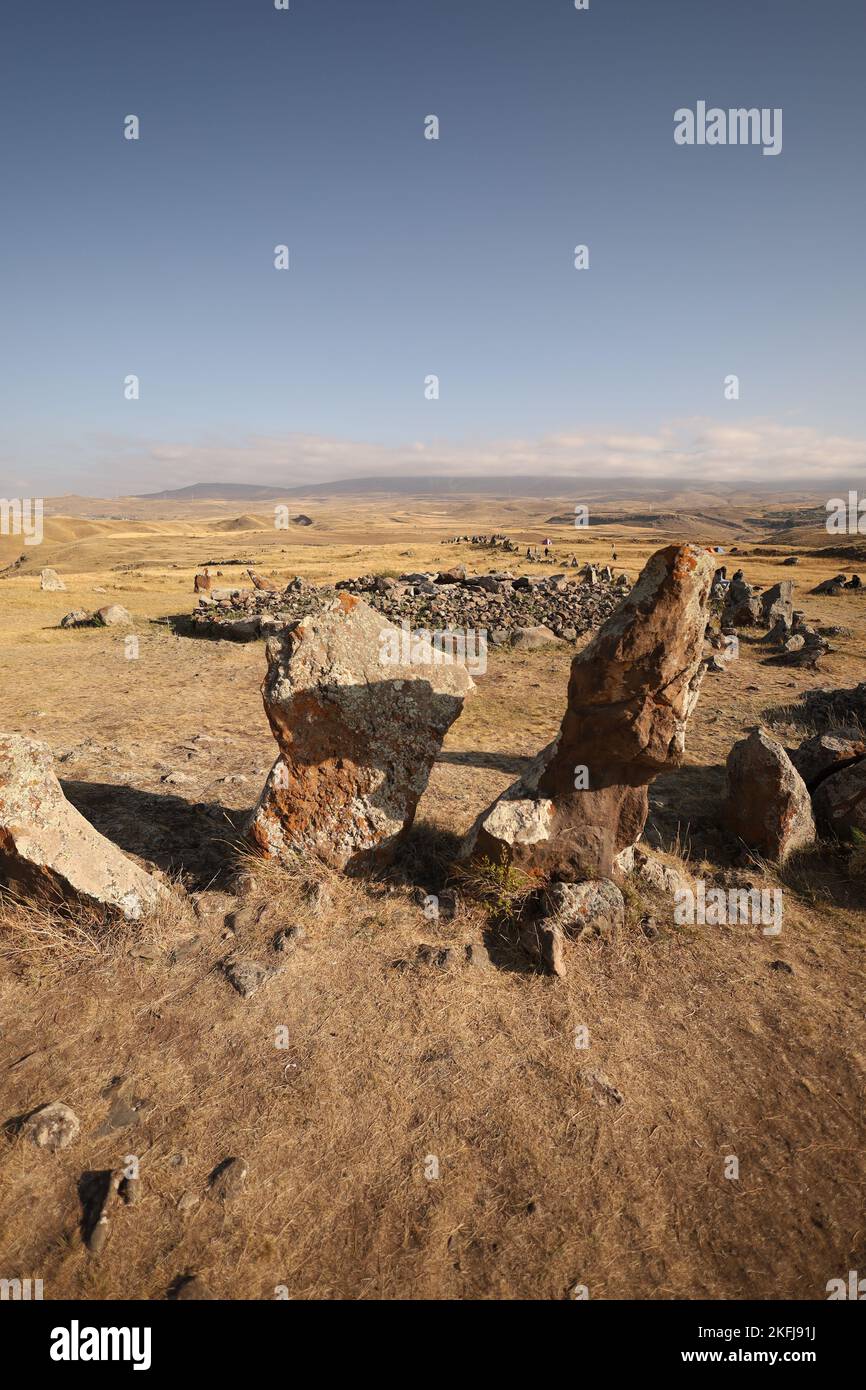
[777, 603]
[630, 695]
[768, 802]
[359, 710]
[47, 846]
[51, 581]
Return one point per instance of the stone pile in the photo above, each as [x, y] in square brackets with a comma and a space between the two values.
[797, 641]
[499, 603]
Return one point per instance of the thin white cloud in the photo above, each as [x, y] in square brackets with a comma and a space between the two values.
[754, 453]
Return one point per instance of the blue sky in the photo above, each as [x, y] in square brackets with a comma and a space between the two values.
[411, 257]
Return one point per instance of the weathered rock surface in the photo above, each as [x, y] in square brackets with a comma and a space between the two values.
[822, 754]
[45, 844]
[768, 803]
[530, 638]
[594, 907]
[50, 580]
[778, 602]
[52, 1127]
[114, 615]
[630, 694]
[840, 801]
[357, 734]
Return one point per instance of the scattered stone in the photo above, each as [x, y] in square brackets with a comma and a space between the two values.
[783, 966]
[822, 754]
[768, 803]
[247, 975]
[51, 582]
[77, 617]
[478, 956]
[114, 615]
[357, 735]
[778, 602]
[543, 942]
[840, 801]
[47, 846]
[529, 639]
[595, 907]
[177, 779]
[227, 1179]
[52, 1127]
[189, 1200]
[630, 695]
[288, 938]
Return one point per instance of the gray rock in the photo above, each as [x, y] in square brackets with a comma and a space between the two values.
[768, 803]
[114, 615]
[840, 801]
[228, 1179]
[595, 907]
[52, 1127]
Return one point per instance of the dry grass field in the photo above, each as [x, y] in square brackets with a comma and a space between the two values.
[545, 1179]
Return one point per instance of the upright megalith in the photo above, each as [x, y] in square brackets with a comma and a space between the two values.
[359, 711]
[630, 694]
[48, 848]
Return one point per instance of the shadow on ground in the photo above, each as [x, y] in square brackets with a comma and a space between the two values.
[198, 840]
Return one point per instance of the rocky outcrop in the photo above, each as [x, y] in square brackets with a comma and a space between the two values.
[359, 717]
[768, 805]
[48, 848]
[630, 694]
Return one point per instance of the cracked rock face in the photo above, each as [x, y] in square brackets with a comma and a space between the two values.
[630, 695]
[359, 714]
[48, 846]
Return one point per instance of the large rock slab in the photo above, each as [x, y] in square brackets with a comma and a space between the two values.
[359, 710]
[46, 846]
[768, 806]
[630, 694]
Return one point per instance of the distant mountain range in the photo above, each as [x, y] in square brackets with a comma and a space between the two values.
[437, 486]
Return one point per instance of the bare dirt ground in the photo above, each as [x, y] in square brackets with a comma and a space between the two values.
[544, 1180]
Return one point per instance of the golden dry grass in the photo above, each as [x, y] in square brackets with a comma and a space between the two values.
[540, 1185]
